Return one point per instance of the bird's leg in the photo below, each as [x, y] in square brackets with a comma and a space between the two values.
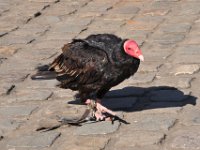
[99, 110]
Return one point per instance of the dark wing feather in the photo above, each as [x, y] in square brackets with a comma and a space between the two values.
[79, 64]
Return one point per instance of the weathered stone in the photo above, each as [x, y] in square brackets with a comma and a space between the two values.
[140, 25]
[39, 140]
[150, 122]
[5, 87]
[106, 24]
[167, 0]
[68, 28]
[7, 51]
[186, 69]
[97, 142]
[32, 95]
[185, 138]
[175, 28]
[168, 38]
[168, 96]
[136, 138]
[146, 147]
[16, 111]
[156, 12]
[150, 67]
[8, 125]
[188, 50]
[3, 33]
[190, 117]
[185, 59]
[115, 16]
[56, 44]
[141, 78]
[180, 19]
[157, 57]
[12, 39]
[1, 135]
[192, 39]
[187, 9]
[125, 9]
[104, 127]
[179, 82]
[96, 7]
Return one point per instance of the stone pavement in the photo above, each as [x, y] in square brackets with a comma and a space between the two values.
[161, 101]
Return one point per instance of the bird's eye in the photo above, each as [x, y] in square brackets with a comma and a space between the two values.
[129, 48]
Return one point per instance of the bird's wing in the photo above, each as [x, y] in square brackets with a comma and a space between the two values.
[80, 63]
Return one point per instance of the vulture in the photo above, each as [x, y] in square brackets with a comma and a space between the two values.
[92, 66]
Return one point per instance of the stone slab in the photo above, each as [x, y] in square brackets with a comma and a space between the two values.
[33, 95]
[16, 111]
[151, 122]
[185, 139]
[168, 38]
[186, 69]
[104, 127]
[8, 125]
[38, 140]
[136, 138]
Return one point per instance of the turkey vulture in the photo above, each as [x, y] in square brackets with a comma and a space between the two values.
[92, 66]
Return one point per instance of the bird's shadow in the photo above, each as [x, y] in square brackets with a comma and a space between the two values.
[139, 98]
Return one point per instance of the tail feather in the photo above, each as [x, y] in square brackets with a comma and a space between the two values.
[43, 68]
[44, 75]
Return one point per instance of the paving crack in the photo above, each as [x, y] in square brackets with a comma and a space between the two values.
[37, 14]
[10, 90]
[45, 7]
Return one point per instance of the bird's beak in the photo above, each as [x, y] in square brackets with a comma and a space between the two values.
[141, 57]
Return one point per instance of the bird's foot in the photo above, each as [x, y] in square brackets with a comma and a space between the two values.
[100, 111]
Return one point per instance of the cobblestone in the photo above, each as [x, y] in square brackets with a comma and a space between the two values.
[40, 140]
[185, 139]
[136, 139]
[150, 122]
[97, 128]
[159, 101]
[16, 111]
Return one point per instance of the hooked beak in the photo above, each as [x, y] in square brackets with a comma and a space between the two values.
[141, 57]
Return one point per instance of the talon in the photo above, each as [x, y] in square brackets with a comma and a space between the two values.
[99, 111]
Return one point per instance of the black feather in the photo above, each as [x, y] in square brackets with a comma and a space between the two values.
[44, 75]
[91, 66]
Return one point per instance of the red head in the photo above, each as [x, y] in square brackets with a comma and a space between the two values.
[132, 49]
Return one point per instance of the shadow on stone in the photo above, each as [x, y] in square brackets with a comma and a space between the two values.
[139, 98]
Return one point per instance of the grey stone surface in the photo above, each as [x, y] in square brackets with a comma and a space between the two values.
[104, 127]
[187, 139]
[32, 95]
[132, 139]
[140, 78]
[8, 125]
[39, 140]
[151, 122]
[186, 69]
[16, 111]
[125, 8]
[168, 38]
[175, 28]
[182, 82]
